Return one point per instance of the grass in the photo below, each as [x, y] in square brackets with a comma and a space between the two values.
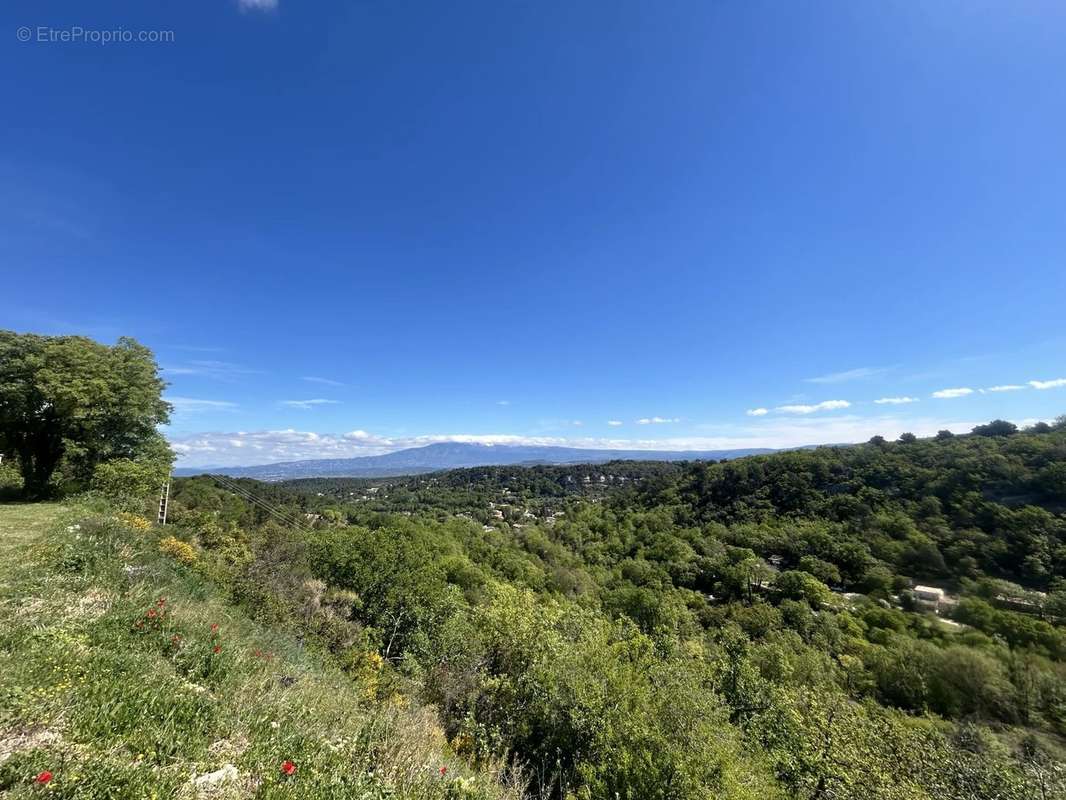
[125, 674]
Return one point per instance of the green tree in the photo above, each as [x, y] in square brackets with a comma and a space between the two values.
[70, 399]
[997, 427]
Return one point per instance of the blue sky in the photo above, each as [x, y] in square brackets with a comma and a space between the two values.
[351, 227]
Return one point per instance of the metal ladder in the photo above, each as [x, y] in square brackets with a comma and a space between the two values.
[164, 500]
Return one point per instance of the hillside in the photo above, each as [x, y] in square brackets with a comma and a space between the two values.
[879, 622]
[753, 628]
[124, 673]
[452, 455]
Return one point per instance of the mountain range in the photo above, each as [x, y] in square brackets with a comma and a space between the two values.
[453, 455]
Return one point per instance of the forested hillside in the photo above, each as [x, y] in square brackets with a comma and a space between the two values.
[753, 628]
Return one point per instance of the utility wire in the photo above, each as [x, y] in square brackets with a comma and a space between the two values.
[235, 488]
[288, 518]
[263, 505]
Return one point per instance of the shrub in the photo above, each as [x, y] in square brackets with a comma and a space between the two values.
[125, 478]
[134, 521]
[178, 550]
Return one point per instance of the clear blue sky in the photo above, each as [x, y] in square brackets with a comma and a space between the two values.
[498, 219]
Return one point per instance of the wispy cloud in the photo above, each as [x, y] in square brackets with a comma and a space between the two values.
[825, 405]
[263, 447]
[757, 412]
[187, 405]
[217, 370]
[577, 423]
[1007, 387]
[947, 394]
[257, 5]
[614, 423]
[848, 375]
[322, 381]
[657, 420]
[895, 401]
[309, 404]
[503, 402]
[1053, 384]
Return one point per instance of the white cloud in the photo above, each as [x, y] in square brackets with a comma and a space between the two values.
[825, 405]
[947, 394]
[577, 423]
[1007, 387]
[1048, 384]
[186, 405]
[503, 402]
[323, 381]
[849, 375]
[895, 401]
[309, 404]
[264, 447]
[614, 423]
[757, 412]
[657, 420]
[208, 368]
[257, 5]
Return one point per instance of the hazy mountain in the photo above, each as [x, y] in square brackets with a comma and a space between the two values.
[451, 455]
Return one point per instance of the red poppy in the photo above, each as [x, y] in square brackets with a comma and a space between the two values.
[151, 612]
[288, 767]
[44, 777]
[218, 648]
[443, 771]
[214, 627]
[162, 601]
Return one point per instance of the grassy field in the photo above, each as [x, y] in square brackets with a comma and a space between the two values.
[123, 674]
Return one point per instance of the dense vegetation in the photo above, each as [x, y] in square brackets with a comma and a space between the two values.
[86, 411]
[746, 629]
[125, 674]
[740, 629]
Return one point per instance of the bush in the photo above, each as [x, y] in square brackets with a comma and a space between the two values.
[178, 550]
[129, 483]
[10, 479]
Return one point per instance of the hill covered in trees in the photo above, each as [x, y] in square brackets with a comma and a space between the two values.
[881, 621]
[452, 455]
[751, 628]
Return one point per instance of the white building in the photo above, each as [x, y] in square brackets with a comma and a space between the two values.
[929, 596]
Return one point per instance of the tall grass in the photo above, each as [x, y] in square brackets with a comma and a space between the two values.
[125, 674]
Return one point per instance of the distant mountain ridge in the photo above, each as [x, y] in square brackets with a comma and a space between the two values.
[453, 455]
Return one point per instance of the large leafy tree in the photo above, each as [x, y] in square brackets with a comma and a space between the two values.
[72, 400]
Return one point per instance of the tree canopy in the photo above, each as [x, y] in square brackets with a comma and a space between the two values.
[72, 401]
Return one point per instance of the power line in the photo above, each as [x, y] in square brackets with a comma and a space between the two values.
[284, 516]
[246, 494]
[264, 506]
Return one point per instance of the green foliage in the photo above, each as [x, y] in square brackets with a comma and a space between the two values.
[124, 674]
[71, 400]
[698, 630]
[131, 483]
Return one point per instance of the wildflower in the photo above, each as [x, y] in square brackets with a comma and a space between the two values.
[151, 613]
[44, 777]
[214, 627]
[162, 601]
[287, 767]
[443, 771]
[218, 648]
